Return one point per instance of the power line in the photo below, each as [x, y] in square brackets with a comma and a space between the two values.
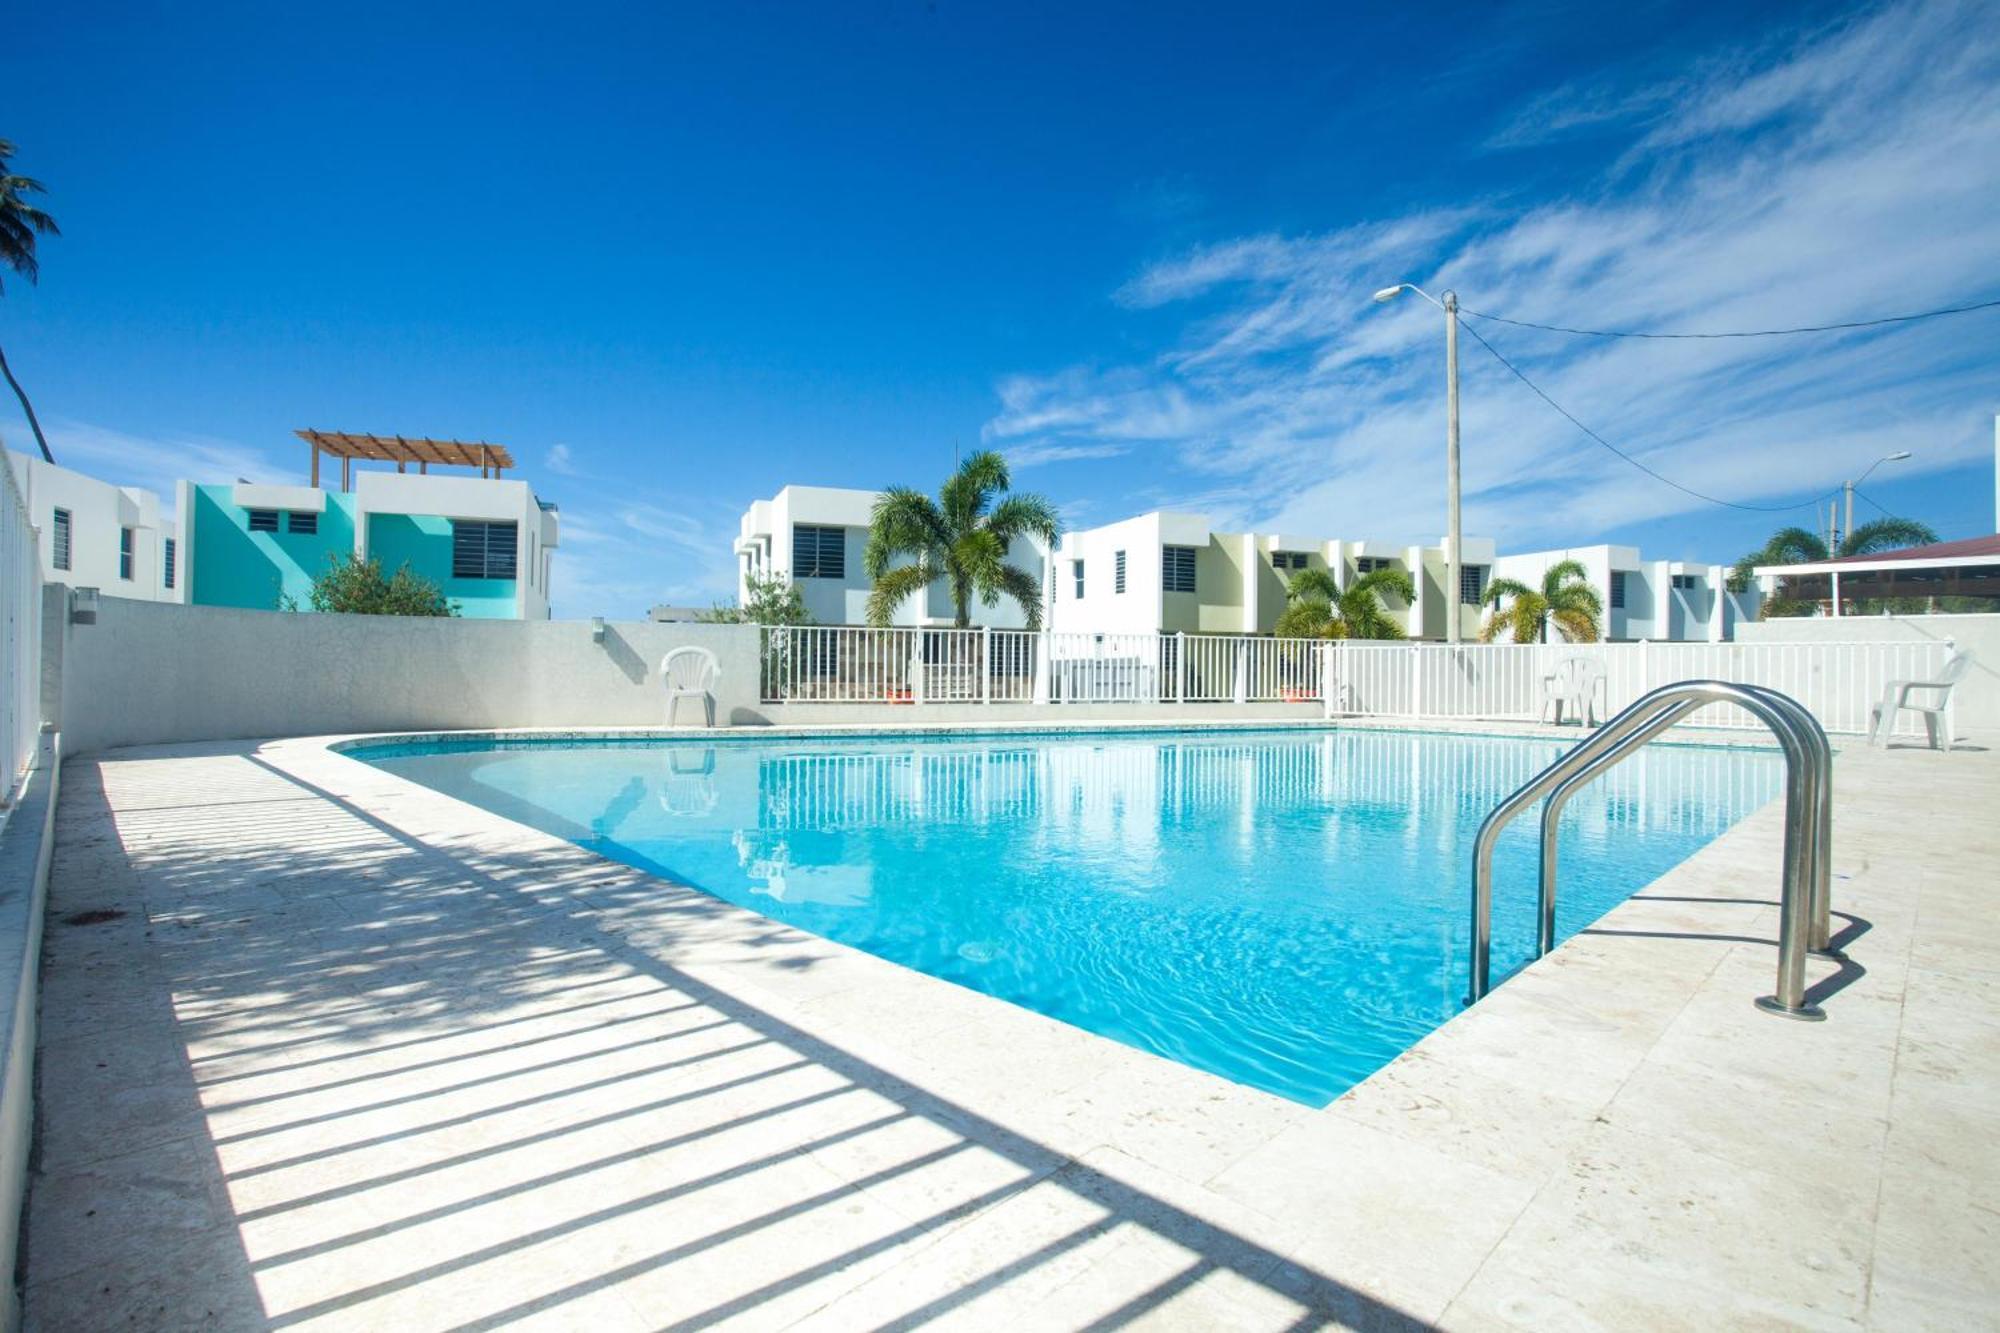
[1872, 500]
[1747, 333]
[1571, 418]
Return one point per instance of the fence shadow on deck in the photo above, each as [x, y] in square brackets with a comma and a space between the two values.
[455, 1087]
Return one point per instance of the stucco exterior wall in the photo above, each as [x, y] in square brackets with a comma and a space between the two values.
[98, 510]
[148, 673]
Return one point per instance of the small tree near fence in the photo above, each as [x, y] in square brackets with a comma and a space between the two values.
[358, 587]
[775, 604]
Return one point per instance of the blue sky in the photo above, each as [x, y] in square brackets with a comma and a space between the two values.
[677, 256]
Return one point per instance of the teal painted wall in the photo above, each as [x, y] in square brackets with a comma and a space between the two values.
[423, 541]
[233, 566]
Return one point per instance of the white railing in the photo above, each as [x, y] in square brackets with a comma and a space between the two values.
[852, 665]
[1839, 682]
[20, 635]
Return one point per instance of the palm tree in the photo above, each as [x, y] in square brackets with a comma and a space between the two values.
[20, 223]
[1798, 546]
[1565, 599]
[961, 537]
[1317, 608]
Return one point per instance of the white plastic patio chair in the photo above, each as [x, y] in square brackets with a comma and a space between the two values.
[1896, 699]
[1574, 685]
[689, 673]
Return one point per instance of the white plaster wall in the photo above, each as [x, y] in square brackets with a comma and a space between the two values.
[151, 672]
[1976, 702]
[148, 673]
[1102, 609]
[97, 511]
[768, 524]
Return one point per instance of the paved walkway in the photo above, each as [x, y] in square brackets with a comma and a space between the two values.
[354, 1055]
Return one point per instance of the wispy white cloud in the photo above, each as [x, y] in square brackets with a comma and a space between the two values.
[157, 462]
[561, 460]
[620, 557]
[1847, 172]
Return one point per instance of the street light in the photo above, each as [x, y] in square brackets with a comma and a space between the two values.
[1896, 457]
[1454, 592]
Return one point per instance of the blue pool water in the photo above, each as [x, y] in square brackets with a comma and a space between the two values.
[1284, 909]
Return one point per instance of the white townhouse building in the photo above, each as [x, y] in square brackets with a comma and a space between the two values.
[1675, 601]
[488, 542]
[93, 534]
[814, 537]
[1171, 572]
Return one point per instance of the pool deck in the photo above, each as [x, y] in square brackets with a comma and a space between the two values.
[357, 1055]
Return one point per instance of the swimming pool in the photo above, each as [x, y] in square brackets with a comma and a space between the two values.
[1284, 909]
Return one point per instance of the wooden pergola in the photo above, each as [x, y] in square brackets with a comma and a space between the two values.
[490, 459]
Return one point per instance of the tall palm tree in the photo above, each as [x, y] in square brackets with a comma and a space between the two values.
[1797, 546]
[961, 537]
[20, 223]
[1565, 600]
[1317, 608]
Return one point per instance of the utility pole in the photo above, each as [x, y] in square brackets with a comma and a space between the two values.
[1453, 557]
[1453, 577]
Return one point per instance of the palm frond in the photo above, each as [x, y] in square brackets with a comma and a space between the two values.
[1311, 585]
[1026, 592]
[1561, 572]
[903, 522]
[1574, 625]
[965, 497]
[1026, 515]
[1507, 588]
[1886, 534]
[895, 586]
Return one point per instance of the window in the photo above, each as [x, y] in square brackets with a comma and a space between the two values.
[302, 521]
[60, 538]
[1471, 584]
[263, 520]
[167, 562]
[1618, 589]
[1177, 568]
[124, 553]
[1368, 564]
[1118, 573]
[818, 552]
[482, 550]
[1687, 582]
[1288, 559]
[1076, 568]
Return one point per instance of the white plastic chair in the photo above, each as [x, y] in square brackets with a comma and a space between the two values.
[1575, 685]
[689, 673]
[1896, 699]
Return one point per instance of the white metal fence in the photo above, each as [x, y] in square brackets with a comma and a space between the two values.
[850, 665]
[1839, 682]
[20, 635]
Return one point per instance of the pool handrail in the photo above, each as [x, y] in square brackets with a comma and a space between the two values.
[1804, 725]
[1807, 821]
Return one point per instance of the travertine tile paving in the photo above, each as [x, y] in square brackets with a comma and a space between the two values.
[359, 1056]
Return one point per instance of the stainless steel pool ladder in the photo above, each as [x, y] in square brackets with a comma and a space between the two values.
[1805, 910]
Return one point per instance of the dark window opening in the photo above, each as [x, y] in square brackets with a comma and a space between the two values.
[483, 550]
[819, 552]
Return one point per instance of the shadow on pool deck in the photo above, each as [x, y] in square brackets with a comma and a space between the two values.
[388, 1082]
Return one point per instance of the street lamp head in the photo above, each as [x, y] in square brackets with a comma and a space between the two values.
[1898, 456]
[1388, 294]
